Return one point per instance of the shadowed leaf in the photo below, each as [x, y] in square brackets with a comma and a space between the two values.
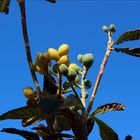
[129, 36]
[72, 102]
[52, 1]
[22, 113]
[129, 51]
[50, 104]
[108, 107]
[106, 132]
[90, 124]
[28, 135]
[4, 6]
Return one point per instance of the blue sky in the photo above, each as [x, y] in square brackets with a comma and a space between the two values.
[78, 23]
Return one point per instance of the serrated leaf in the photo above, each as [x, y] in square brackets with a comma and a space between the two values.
[50, 104]
[72, 102]
[106, 132]
[22, 113]
[4, 6]
[129, 51]
[129, 36]
[28, 135]
[108, 107]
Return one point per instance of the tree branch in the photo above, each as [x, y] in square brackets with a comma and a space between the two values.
[27, 45]
[101, 71]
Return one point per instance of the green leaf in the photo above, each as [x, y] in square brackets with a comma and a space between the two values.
[128, 36]
[129, 51]
[50, 104]
[4, 6]
[22, 113]
[28, 135]
[72, 102]
[106, 132]
[108, 107]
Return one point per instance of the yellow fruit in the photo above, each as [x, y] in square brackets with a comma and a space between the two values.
[64, 60]
[53, 54]
[29, 93]
[40, 70]
[72, 66]
[63, 49]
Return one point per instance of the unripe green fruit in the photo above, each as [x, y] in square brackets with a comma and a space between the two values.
[29, 93]
[72, 74]
[105, 28]
[64, 60]
[87, 60]
[75, 67]
[53, 54]
[63, 50]
[79, 57]
[63, 69]
[66, 85]
[76, 80]
[112, 28]
[88, 84]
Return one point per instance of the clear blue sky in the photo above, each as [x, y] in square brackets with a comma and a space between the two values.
[78, 23]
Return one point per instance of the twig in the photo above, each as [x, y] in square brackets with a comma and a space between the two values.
[27, 45]
[101, 71]
[59, 83]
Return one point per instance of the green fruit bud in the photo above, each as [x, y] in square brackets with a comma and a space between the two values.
[79, 57]
[72, 74]
[87, 60]
[112, 28]
[88, 84]
[75, 67]
[63, 69]
[66, 85]
[105, 28]
[55, 68]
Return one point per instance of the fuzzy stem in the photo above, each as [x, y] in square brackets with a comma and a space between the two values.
[101, 71]
[83, 91]
[27, 45]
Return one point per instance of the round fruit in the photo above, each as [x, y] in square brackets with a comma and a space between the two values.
[63, 69]
[75, 67]
[71, 74]
[29, 93]
[105, 28]
[87, 60]
[53, 54]
[112, 28]
[64, 60]
[88, 84]
[79, 57]
[63, 50]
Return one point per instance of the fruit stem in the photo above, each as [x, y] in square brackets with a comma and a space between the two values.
[27, 45]
[101, 70]
[59, 83]
[83, 90]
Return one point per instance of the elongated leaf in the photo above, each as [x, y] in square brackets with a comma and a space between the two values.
[28, 135]
[129, 36]
[22, 113]
[30, 121]
[129, 51]
[108, 107]
[90, 124]
[4, 6]
[106, 132]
